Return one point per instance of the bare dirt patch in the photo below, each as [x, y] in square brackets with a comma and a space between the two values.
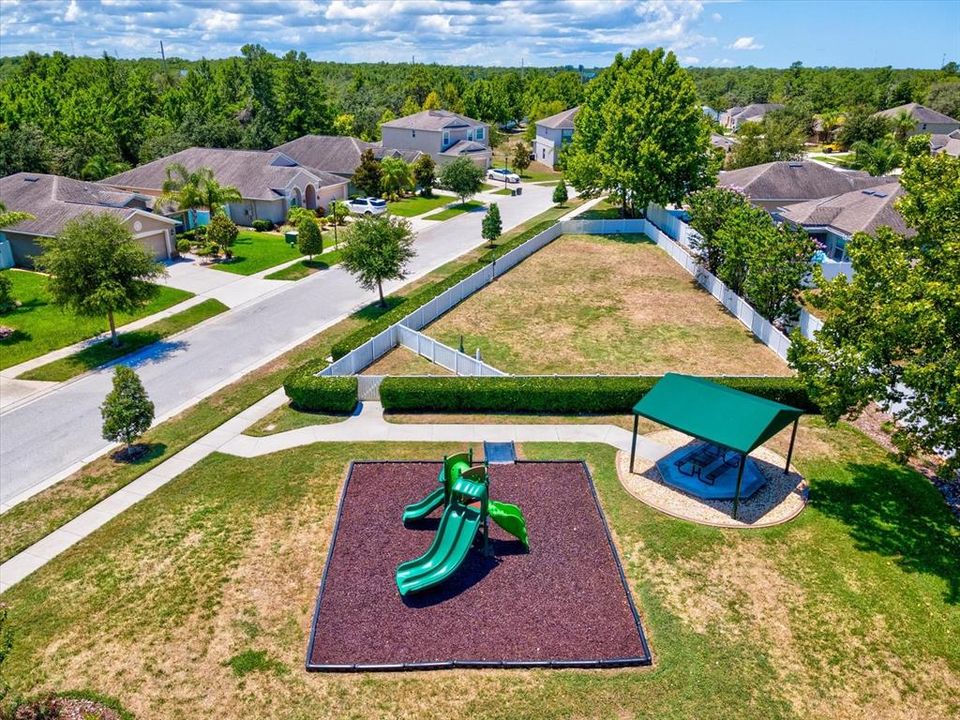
[401, 361]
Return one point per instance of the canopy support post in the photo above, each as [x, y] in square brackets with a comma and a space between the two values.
[736, 498]
[633, 445]
[793, 437]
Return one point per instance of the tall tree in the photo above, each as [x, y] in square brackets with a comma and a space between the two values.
[96, 268]
[521, 157]
[378, 249]
[945, 97]
[424, 174]
[432, 101]
[891, 335]
[775, 138]
[641, 134]
[127, 411]
[369, 175]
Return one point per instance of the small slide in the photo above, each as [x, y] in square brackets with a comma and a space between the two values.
[418, 510]
[458, 528]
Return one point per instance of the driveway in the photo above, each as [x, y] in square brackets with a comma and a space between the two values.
[46, 439]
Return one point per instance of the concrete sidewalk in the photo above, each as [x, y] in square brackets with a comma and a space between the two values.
[367, 426]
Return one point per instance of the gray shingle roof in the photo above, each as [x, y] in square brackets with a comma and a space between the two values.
[562, 120]
[754, 111]
[411, 156]
[257, 174]
[920, 113]
[432, 120]
[465, 147]
[332, 153]
[54, 200]
[794, 181]
[722, 141]
[855, 211]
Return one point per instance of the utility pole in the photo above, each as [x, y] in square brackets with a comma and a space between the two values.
[163, 57]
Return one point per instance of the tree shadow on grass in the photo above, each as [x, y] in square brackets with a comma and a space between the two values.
[630, 238]
[894, 512]
[374, 311]
[17, 336]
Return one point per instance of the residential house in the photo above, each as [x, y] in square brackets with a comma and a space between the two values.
[928, 121]
[54, 200]
[948, 144]
[339, 155]
[834, 220]
[723, 142]
[775, 184]
[712, 115]
[269, 182]
[734, 117]
[552, 134]
[442, 134]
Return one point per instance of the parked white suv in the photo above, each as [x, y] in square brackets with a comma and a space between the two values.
[367, 206]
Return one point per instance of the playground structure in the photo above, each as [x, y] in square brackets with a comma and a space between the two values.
[464, 493]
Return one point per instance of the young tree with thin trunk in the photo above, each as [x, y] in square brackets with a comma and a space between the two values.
[369, 175]
[492, 226]
[396, 177]
[96, 268]
[560, 194]
[378, 249]
[425, 174]
[521, 157]
[309, 237]
[127, 411]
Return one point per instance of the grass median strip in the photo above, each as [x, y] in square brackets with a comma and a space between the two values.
[417, 205]
[454, 210]
[104, 352]
[304, 268]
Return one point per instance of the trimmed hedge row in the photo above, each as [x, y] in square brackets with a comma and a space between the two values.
[548, 395]
[335, 395]
[426, 293]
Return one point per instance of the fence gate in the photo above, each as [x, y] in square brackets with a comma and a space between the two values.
[368, 387]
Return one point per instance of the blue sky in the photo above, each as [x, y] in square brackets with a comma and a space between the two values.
[765, 33]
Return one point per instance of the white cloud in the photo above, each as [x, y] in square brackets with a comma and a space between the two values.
[745, 43]
[72, 13]
[218, 20]
[717, 17]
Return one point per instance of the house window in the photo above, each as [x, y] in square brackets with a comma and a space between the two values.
[479, 133]
[446, 138]
[469, 134]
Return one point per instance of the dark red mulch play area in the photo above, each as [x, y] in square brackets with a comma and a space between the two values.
[562, 604]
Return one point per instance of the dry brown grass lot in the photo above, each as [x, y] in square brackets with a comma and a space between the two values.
[604, 304]
[401, 361]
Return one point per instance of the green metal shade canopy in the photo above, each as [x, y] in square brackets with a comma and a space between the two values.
[717, 414]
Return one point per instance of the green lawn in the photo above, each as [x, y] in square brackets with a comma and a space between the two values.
[603, 210]
[208, 586]
[41, 326]
[287, 418]
[306, 267]
[838, 160]
[103, 352]
[455, 210]
[416, 205]
[255, 251]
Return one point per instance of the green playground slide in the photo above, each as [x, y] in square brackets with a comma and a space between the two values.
[421, 509]
[458, 528]
[510, 518]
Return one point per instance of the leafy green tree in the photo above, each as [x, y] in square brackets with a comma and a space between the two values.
[344, 124]
[743, 227]
[309, 237]
[7, 301]
[99, 167]
[709, 209]
[221, 234]
[777, 137]
[492, 225]
[540, 110]
[463, 177]
[432, 101]
[127, 410]
[641, 135]
[424, 174]
[863, 126]
[521, 157]
[396, 176]
[378, 249]
[945, 97]
[890, 334]
[96, 268]
[560, 193]
[23, 149]
[369, 175]
[297, 213]
[191, 190]
[777, 265]
[876, 158]
[410, 107]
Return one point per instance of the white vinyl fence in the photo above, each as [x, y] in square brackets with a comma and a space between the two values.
[405, 332]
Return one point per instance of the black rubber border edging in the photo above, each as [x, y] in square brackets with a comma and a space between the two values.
[590, 664]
